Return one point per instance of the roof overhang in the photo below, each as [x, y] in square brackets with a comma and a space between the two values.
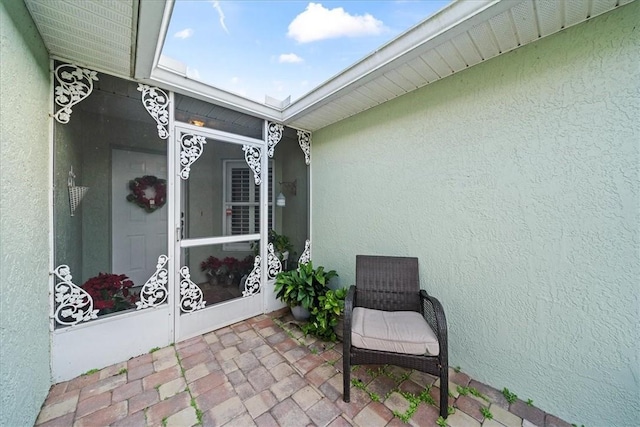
[459, 36]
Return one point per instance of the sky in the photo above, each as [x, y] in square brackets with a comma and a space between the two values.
[282, 48]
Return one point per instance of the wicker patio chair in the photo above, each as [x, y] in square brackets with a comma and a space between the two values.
[388, 319]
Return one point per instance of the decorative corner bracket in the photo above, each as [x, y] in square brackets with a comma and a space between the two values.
[74, 85]
[274, 136]
[74, 304]
[304, 139]
[306, 254]
[156, 101]
[191, 147]
[274, 266]
[252, 284]
[252, 157]
[191, 298]
[154, 292]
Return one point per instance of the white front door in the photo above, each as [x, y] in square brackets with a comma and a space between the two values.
[138, 237]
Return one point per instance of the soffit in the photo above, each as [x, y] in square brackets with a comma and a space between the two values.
[449, 42]
[99, 34]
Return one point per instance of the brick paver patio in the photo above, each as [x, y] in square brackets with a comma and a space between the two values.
[264, 372]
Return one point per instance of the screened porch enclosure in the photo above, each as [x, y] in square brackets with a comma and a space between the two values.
[157, 246]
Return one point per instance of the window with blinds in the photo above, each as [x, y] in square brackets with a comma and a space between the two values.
[242, 200]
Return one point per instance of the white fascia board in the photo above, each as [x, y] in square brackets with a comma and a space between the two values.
[153, 22]
[449, 22]
[172, 81]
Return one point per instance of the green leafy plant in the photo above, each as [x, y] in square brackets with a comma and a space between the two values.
[530, 402]
[154, 349]
[303, 286]
[281, 244]
[91, 371]
[441, 422]
[326, 314]
[122, 371]
[457, 369]
[486, 413]
[511, 397]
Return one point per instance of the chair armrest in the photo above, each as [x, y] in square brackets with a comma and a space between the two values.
[433, 313]
[349, 303]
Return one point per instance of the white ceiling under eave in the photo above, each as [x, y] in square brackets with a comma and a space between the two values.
[98, 34]
[104, 35]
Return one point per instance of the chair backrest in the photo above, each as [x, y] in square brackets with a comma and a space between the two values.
[387, 283]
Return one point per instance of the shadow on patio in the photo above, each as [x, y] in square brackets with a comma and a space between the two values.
[264, 372]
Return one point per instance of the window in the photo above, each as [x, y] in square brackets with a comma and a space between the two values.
[242, 202]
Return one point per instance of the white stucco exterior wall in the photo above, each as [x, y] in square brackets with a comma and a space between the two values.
[516, 183]
[24, 217]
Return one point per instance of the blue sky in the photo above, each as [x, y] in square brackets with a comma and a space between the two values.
[282, 48]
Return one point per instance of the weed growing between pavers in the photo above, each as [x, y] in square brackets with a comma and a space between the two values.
[91, 371]
[486, 413]
[511, 397]
[464, 391]
[195, 406]
[122, 371]
[413, 398]
[193, 400]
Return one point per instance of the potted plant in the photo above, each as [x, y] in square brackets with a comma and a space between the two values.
[281, 245]
[301, 288]
[110, 292]
[326, 320]
[227, 271]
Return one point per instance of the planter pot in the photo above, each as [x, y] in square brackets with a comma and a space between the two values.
[339, 328]
[212, 278]
[300, 313]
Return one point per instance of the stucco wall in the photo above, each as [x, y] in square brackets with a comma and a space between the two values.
[24, 217]
[516, 183]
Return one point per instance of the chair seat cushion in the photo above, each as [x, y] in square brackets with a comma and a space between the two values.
[394, 331]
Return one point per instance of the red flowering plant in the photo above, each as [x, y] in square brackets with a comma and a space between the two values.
[227, 270]
[110, 292]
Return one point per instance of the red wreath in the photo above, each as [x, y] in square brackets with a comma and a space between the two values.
[139, 187]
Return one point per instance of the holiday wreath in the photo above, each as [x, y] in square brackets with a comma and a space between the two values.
[148, 192]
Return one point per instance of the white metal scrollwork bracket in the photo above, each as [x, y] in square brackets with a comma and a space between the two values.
[306, 255]
[274, 266]
[252, 284]
[304, 140]
[274, 136]
[191, 147]
[156, 101]
[74, 304]
[74, 85]
[191, 298]
[154, 292]
[252, 157]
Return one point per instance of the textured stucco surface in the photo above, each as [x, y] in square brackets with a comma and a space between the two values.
[24, 217]
[516, 183]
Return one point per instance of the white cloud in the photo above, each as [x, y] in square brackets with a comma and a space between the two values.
[235, 80]
[184, 34]
[289, 58]
[319, 23]
[218, 8]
